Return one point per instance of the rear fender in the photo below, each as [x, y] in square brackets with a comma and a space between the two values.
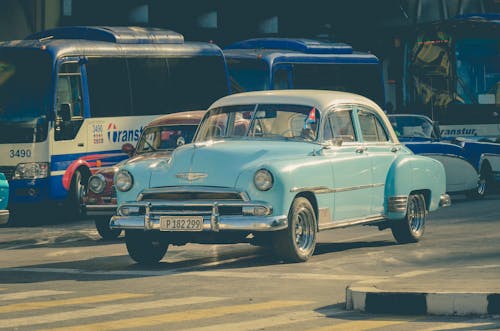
[414, 173]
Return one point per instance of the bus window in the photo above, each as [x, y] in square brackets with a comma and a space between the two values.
[248, 75]
[196, 82]
[280, 79]
[149, 84]
[109, 88]
[68, 101]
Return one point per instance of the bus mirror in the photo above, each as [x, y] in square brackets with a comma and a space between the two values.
[64, 112]
[128, 149]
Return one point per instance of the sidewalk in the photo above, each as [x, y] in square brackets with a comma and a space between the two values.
[476, 292]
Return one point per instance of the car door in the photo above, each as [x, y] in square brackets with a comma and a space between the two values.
[380, 151]
[350, 165]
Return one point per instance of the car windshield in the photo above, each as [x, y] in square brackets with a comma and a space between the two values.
[166, 137]
[413, 127]
[260, 121]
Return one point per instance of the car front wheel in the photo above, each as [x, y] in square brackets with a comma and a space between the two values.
[143, 248]
[102, 226]
[411, 228]
[297, 242]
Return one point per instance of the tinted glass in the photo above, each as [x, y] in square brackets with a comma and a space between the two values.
[248, 75]
[109, 88]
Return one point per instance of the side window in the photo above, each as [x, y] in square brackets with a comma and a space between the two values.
[109, 89]
[339, 125]
[280, 79]
[371, 128]
[69, 105]
[148, 81]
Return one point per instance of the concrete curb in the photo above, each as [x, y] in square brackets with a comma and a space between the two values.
[373, 300]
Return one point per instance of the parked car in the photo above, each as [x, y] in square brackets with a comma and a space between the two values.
[4, 199]
[471, 166]
[277, 167]
[157, 141]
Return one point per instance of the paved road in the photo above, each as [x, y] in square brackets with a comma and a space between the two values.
[60, 276]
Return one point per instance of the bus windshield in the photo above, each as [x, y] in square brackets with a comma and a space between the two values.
[24, 84]
[478, 70]
[248, 75]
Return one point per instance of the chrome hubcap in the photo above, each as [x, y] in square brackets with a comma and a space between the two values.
[416, 214]
[303, 230]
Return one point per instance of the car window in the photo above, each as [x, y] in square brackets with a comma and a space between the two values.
[339, 126]
[371, 128]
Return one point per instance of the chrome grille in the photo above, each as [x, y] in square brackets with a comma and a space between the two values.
[191, 193]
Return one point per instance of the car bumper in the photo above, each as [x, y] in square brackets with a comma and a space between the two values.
[4, 216]
[100, 210]
[213, 220]
[445, 200]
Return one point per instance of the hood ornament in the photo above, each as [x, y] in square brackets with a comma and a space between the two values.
[191, 176]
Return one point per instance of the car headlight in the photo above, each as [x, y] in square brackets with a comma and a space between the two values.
[31, 170]
[123, 180]
[263, 179]
[97, 183]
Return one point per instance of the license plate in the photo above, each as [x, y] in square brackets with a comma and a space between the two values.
[181, 223]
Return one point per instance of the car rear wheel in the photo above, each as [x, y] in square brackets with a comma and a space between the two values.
[143, 248]
[297, 242]
[484, 185]
[411, 228]
[102, 226]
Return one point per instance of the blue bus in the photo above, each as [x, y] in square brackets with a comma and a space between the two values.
[292, 63]
[452, 74]
[70, 97]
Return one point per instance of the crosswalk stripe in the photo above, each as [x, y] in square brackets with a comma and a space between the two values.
[469, 326]
[30, 294]
[191, 315]
[101, 311]
[362, 325]
[73, 301]
[273, 321]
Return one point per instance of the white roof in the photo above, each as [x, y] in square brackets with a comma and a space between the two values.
[321, 99]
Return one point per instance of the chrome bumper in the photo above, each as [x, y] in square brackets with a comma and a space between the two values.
[146, 215]
[445, 200]
[100, 210]
[4, 216]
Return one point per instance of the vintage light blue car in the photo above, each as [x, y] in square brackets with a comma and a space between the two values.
[276, 167]
[4, 199]
[472, 167]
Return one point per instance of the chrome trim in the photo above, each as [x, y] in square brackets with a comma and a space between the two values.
[192, 189]
[191, 176]
[100, 210]
[4, 216]
[444, 200]
[397, 204]
[239, 223]
[347, 223]
[324, 189]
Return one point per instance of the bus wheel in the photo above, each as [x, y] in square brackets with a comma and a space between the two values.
[76, 195]
[102, 226]
[143, 248]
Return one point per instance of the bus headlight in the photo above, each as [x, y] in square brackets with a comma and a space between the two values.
[263, 179]
[97, 183]
[123, 180]
[31, 170]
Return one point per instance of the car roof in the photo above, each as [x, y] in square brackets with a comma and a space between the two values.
[321, 99]
[183, 118]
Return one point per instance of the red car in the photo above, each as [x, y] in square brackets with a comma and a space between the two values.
[158, 139]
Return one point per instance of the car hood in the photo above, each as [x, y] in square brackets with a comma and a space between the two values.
[220, 163]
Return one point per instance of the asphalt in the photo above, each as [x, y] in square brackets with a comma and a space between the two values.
[442, 292]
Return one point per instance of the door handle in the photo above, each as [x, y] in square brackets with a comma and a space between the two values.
[360, 150]
[80, 145]
[395, 149]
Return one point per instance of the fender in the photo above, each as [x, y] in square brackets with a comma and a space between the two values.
[410, 173]
[70, 171]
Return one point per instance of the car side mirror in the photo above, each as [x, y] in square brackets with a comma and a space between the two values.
[65, 112]
[128, 149]
[437, 130]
